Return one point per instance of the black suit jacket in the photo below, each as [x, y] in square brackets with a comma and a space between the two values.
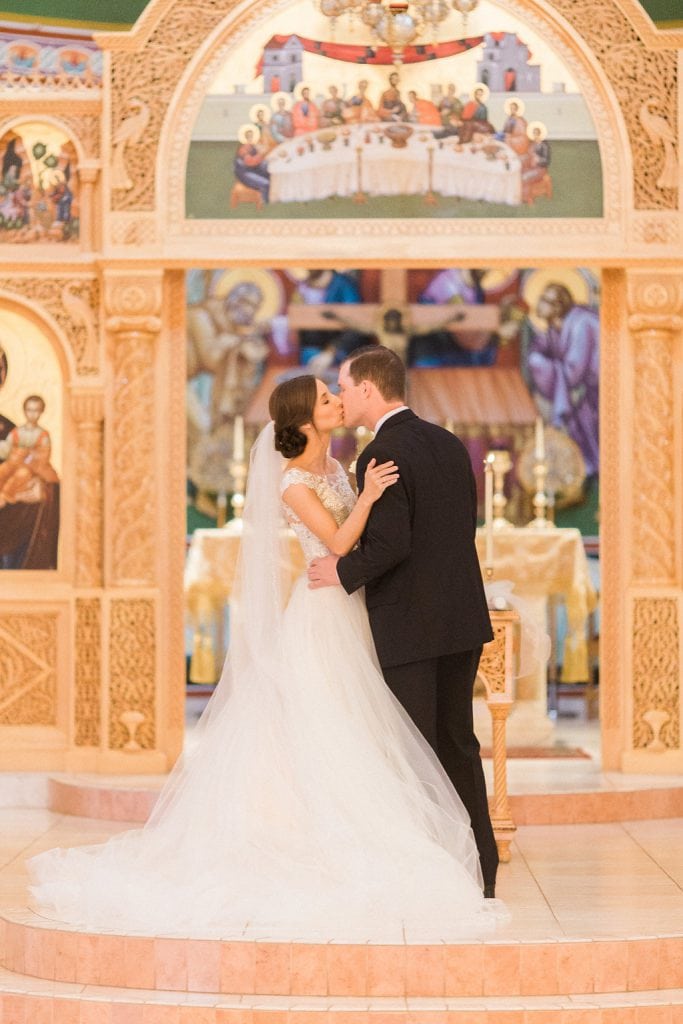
[417, 558]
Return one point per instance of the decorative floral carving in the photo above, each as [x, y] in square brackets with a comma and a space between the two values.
[652, 230]
[73, 302]
[88, 671]
[132, 682]
[28, 655]
[638, 75]
[656, 671]
[492, 663]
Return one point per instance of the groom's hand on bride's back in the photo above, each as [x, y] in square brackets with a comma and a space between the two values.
[322, 572]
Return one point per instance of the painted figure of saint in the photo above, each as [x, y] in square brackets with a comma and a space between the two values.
[423, 111]
[564, 363]
[359, 109]
[305, 114]
[29, 494]
[281, 124]
[391, 106]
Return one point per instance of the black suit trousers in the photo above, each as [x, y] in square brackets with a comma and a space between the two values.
[437, 694]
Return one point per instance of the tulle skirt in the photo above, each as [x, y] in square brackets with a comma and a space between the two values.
[310, 809]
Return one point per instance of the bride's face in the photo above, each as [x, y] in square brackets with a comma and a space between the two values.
[327, 411]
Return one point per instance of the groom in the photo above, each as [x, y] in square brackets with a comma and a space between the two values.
[423, 586]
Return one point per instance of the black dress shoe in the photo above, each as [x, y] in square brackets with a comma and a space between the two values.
[489, 892]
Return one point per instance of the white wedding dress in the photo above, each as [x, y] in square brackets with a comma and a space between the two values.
[310, 809]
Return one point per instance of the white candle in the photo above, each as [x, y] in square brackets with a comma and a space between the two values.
[539, 450]
[238, 440]
[488, 508]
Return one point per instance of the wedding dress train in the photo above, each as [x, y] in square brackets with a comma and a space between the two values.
[310, 808]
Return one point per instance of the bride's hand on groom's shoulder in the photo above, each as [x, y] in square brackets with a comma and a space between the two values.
[377, 479]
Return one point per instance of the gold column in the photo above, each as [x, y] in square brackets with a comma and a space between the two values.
[136, 450]
[87, 408]
[133, 305]
[655, 594]
[87, 176]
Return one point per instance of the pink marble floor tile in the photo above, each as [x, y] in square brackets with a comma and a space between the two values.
[230, 1015]
[13, 1009]
[584, 1015]
[300, 1017]
[112, 957]
[272, 968]
[347, 970]
[611, 966]
[386, 970]
[575, 967]
[643, 965]
[153, 1013]
[274, 1017]
[238, 967]
[33, 958]
[507, 1017]
[671, 962]
[464, 1017]
[66, 1011]
[203, 965]
[618, 1015]
[425, 970]
[66, 958]
[308, 969]
[538, 969]
[197, 1015]
[40, 1010]
[139, 955]
[464, 970]
[501, 970]
[654, 1014]
[170, 959]
[125, 1013]
[87, 952]
[47, 959]
[95, 1012]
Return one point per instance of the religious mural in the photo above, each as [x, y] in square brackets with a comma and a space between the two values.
[489, 353]
[39, 193]
[484, 124]
[29, 458]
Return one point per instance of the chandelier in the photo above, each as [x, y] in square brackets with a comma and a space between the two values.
[398, 23]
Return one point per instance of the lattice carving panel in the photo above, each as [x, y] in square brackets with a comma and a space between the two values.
[88, 671]
[89, 469]
[74, 304]
[653, 512]
[153, 80]
[637, 75]
[656, 671]
[28, 669]
[133, 478]
[132, 661]
[492, 662]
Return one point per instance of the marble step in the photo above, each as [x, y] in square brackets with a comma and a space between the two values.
[32, 946]
[23, 1000]
[89, 797]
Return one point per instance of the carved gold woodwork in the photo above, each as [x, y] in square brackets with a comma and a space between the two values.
[656, 674]
[655, 304]
[72, 301]
[88, 677]
[497, 670]
[133, 304]
[28, 656]
[175, 32]
[87, 409]
[132, 682]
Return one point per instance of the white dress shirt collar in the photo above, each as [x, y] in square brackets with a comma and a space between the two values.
[387, 415]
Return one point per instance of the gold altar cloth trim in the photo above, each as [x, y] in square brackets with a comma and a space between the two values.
[547, 563]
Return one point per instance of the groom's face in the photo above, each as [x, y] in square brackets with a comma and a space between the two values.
[352, 396]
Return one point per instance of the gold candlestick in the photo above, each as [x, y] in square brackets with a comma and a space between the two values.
[502, 464]
[540, 520]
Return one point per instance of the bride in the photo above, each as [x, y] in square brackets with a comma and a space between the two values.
[309, 807]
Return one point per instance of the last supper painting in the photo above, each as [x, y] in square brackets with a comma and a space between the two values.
[486, 122]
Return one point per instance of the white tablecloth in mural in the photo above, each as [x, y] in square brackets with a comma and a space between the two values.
[361, 159]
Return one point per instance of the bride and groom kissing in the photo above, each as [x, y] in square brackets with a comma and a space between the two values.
[334, 790]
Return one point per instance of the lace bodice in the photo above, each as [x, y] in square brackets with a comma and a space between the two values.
[336, 494]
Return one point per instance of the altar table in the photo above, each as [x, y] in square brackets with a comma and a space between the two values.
[357, 160]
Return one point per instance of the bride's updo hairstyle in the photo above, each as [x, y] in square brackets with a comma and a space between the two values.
[291, 405]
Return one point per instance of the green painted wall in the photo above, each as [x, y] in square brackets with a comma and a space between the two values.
[122, 13]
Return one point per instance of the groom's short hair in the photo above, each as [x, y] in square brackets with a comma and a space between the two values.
[382, 367]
